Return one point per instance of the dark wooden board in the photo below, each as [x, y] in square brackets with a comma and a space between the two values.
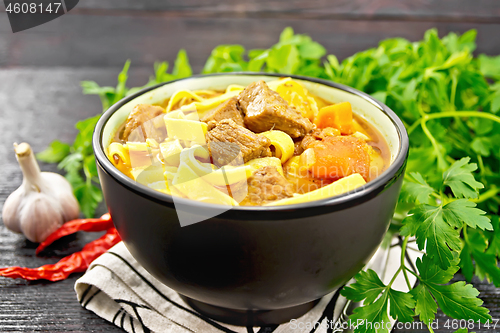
[104, 41]
[351, 8]
[41, 100]
[39, 106]
[445, 10]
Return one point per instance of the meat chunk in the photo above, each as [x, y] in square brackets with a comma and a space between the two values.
[227, 110]
[145, 122]
[316, 134]
[264, 109]
[301, 145]
[267, 185]
[227, 140]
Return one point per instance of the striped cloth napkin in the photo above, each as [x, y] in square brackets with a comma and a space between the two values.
[118, 289]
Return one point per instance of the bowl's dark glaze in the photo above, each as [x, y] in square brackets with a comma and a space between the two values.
[253, 258]
[247, 264]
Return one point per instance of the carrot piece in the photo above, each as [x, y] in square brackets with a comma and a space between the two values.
[336, 115]
[340, 156]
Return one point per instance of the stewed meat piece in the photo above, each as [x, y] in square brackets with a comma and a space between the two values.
[316, 134]
[267, 185]
[145, 122]
[227, 140]
[265, 109]
[227, 110]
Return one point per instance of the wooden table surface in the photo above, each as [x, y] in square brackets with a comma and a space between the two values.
[40, 96]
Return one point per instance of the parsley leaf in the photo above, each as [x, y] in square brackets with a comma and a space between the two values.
[106, 94]
[402, 305]
[422, 160]
[462, 330]
[284, 59]
[71, 162]
[367, 287]
[81, 159]
[460, 179]
[54, 153]
[75, 179]
[416, 189]
[482, 145]
[457, 300]
[494, 240]
[433, 233]
[487, 262]
[89, 196]
[377, 296]
[483, 247]
[495, 97]
[462, 210]
[489, 66]
[225, 58]
[425, 305]
[293, 54]
[182, 68]
[466, 264]
[370, 314]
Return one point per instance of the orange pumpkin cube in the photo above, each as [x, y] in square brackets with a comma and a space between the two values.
[340, 156]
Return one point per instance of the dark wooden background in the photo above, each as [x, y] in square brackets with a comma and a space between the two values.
[40, 96]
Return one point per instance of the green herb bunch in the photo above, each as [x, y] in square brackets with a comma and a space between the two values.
[448, 100]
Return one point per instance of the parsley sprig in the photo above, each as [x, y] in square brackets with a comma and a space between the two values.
[437, 215]
[449, 101]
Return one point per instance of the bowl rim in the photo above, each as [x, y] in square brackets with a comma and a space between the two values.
[311, 208]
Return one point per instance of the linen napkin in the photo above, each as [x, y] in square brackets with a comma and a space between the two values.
[118, 289]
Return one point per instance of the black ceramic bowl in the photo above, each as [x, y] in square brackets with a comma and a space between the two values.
[253, 265]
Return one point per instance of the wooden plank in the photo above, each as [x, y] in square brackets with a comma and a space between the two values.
[458, 10]
[46, 306]
[103, 41]
[39, 106]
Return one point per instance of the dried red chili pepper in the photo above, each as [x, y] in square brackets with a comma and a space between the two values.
[68, 228]
[76, 262]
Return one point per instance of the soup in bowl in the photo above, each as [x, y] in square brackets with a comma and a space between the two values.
[251, 195]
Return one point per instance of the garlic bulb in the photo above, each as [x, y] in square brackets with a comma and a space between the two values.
[42, 203]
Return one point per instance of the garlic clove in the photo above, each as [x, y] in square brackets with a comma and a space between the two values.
[10, 209]
[61, 190]
[40, 216]
[29, 167]
[42, 203]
